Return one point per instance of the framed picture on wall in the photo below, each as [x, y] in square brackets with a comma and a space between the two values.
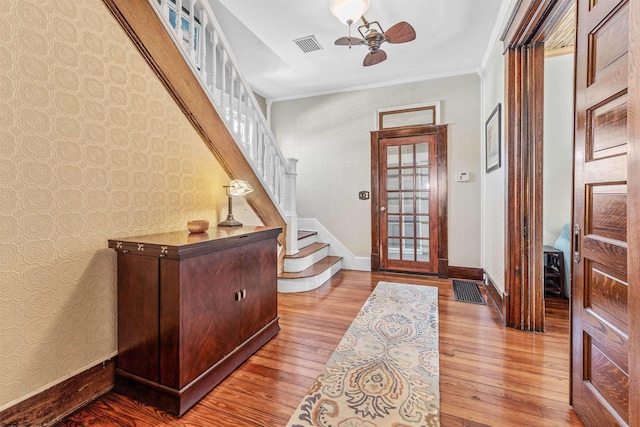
[492, 140]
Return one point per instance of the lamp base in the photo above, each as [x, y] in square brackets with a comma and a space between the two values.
[230, 222]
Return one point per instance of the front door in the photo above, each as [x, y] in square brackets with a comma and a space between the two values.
[409, 199]
[600, 331]
[408, 203]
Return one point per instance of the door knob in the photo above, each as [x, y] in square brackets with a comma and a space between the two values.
[383, 209]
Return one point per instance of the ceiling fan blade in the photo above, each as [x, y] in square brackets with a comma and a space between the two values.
[349, 41]
[374, 58]
[402, 32]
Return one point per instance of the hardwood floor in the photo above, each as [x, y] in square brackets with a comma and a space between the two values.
[489, 375]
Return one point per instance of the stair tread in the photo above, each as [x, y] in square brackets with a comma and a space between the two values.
[306, 233]
[317, 268]
[308, 250]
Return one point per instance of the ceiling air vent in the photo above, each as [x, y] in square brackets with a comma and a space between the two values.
[308, 44]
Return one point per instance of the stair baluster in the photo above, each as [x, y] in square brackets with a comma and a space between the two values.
[213, 63]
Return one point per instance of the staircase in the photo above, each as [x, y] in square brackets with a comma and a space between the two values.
[310, 267]
[201, 73]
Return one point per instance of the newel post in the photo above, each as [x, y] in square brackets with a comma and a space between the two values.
[290, 206]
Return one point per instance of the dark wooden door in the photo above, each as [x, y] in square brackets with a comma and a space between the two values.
[259, 304]
[211, 330]
[600, 329]
[408, 203]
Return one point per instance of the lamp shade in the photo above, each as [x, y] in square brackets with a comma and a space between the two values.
[239, 188]
[348, 11]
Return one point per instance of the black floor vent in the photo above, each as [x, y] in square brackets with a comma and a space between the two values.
[467, 292]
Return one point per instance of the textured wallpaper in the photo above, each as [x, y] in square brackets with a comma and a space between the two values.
[92, 147]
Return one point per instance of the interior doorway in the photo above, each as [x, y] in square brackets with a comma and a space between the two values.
[558, 135]
[524, 128]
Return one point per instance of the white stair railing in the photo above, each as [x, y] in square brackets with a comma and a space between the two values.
[206, 50]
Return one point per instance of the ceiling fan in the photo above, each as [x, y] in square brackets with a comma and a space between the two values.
[373, 37]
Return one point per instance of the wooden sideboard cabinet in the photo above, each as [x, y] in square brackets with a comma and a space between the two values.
[191, 309]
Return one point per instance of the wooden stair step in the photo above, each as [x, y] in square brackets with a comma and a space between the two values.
[306, 233]
[308, 250]
[316, 269]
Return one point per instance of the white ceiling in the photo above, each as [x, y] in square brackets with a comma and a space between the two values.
[452, 37]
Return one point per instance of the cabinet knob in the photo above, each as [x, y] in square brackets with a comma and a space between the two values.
[240, 295]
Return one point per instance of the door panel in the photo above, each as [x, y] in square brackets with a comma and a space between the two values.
[409, 210]
[409, 200]
[259, 305]
[600, 372]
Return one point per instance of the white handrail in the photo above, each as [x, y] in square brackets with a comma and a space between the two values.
[193, 27]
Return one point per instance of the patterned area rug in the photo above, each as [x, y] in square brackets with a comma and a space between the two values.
[385, 371]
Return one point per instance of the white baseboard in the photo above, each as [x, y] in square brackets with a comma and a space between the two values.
[349, 261]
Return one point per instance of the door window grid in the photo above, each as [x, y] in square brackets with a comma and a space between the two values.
[408, 211]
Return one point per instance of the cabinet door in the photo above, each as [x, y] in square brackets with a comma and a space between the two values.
[259, 280]
[209, 312]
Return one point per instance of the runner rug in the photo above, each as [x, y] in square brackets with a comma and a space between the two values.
[385, 371]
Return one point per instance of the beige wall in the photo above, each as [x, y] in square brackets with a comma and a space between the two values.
[330, 135]
[558, 146]
[92, 147]
[493, 200]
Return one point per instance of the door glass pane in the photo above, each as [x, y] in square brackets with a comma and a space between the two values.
[392, 157]
[393, 202]
[408, 229]
[422, 203]
[393, 225]
[393, 248]
[422, 154]
[407, 250]
[392, 180]
[407, 202]
[422, 226]
[422, 249]
[422, 178]
[407, 179]
[407, 155]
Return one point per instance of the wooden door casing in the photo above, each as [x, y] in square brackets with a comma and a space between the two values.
[600, 325]
[440, 131]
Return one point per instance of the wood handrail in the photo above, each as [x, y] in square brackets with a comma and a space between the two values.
[144, 28]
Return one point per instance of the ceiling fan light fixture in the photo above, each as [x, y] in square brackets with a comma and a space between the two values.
[348, 11]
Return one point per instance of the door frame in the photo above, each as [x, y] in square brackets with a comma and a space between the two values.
[529, 24]
[441, 137]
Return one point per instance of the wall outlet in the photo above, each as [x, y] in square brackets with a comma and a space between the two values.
[363, 195]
